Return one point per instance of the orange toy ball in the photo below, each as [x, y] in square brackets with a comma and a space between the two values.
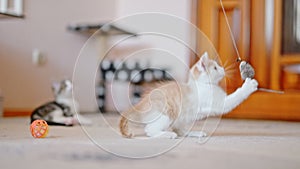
[39, 128]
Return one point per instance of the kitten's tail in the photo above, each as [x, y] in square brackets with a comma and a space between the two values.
[124, 128]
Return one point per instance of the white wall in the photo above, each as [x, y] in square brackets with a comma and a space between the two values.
[169, 25]
[178, 8]
[25, 85]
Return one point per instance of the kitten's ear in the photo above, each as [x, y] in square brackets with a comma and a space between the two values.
[200, 66]
[55, 88]
[68, 82]
[202, 63]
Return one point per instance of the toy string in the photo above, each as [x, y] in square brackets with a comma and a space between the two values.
[231, 34]
[237, 51]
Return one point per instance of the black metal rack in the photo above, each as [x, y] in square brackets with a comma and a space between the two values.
[101, 28]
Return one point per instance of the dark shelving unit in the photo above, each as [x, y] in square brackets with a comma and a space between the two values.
[101, 28]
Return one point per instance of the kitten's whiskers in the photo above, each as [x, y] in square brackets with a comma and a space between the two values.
[232, 66]
[230, 70]
[230, 73]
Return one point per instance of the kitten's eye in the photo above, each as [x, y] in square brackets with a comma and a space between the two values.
[215, 68]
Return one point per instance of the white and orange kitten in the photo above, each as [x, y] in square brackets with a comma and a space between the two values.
[169, 110]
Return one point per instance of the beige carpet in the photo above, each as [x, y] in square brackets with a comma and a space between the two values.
[235, 144]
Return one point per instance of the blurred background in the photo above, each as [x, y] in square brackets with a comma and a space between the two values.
[41, 40]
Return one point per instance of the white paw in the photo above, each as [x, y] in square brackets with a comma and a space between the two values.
[166, 134]
[69, 121]
[170, 135]
[250, 85]
[197, 134]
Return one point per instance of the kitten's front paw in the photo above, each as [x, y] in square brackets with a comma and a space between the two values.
[170, 135]
[69, 121]
[250, 85]
[167, 134]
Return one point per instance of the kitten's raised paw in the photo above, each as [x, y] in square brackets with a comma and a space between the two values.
[250, 85]
[197, 134]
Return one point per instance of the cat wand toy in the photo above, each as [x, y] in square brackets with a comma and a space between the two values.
[246, 70]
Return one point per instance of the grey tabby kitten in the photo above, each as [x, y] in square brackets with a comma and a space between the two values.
[61, 111]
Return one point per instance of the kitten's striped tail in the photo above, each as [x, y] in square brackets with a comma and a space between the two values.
[124, 128]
